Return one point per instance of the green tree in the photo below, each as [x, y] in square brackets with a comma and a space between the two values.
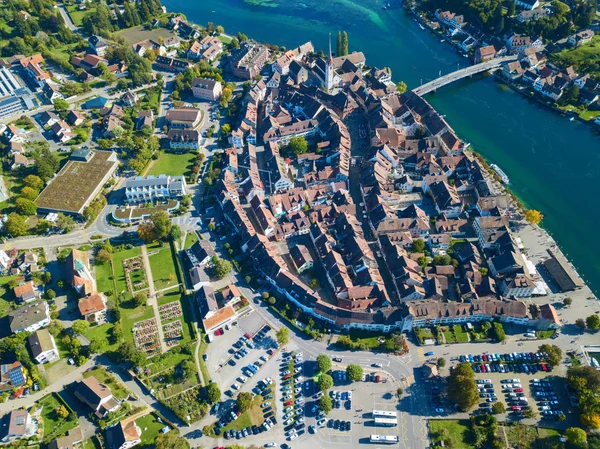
[25, 206]
[29, 193]
[283, 336]
[324, 363]
[498, 408]
[441, 362]
[50, 294]
[162, 224]
[175, 233]
[128, 352]
[462, 388]
[222, 268]
[344, 44]
[244, 401]
[401, 87]
[533, 216]
[297, 145]
[170, 440]
[399, 392]
[580, 323]
[354, 372]
[593, 322]
[576, 438]
[418, 245]
[338, 47]
[512, 8]
[325, 382]
[15, 225]
[62, 412]
[80, 326]
[140, 300]
[98, 345]
[567, 301]
[554, 354]
[103, 256]
[33, 181]
[325, 404]
[60, 104]
[213, 392]
[498, 331]
[65, 222]
[529, 413]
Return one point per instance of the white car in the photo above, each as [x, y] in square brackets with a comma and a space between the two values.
[350, 395]
[271, 445]
[300, 420]
[289, 421]
[243, 379]
[293, 436]
[236, 386]
[299, 401]
[288, 409]
[321, 422]
[288, 415]
[265, 404]
[319, 395]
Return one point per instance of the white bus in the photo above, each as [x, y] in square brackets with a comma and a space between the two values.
[383, 414]
[386, 422]
[387, 439]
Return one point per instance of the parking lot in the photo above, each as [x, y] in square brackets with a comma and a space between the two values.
[520, 381]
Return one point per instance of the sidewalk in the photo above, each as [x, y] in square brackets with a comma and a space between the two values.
[153, 300]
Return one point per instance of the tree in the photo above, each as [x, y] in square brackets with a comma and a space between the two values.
[441, 362]
[15, 225]
[399, 392]
[127, 351]
[325, 404]
[325, 382]
[533, 216]
[140, 300]
[162, 223]
[33, 181]
[283, 336]
[50, 294]
[226, 129]
[244, 401]
[175, 233]
[213, 392]
[297, 145]
[567, 301]
[554, 354]
[80, 326]
[529, 413]
[354, 372]
[576, 438]
[222, 268]
[324, 363]
[103, 256]
[401, 87]
[98, 345]
[147, 232]
[29, 193]
[62, 412]
[418, 245]
[344, 43]
[272, 300]
[593, 322]
[65, 222]
[512, 8]
[171, 440]
[462, 388]
[338, 48]
[498, 408]
[60, 104]
[580, 323]
[499, 334]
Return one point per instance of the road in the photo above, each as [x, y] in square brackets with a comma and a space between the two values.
[67, 18]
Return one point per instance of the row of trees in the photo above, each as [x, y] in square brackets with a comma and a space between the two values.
[342, 44]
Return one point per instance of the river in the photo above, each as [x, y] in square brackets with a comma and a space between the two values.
[553, 164]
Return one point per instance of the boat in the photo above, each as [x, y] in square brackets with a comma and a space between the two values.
[421, 26]
[443, 40]
[571, 119]
[500, 173]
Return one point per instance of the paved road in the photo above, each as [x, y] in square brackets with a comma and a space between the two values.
[67, 18]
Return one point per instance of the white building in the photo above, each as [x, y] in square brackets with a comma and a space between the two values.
[43, 347]
[155, 188]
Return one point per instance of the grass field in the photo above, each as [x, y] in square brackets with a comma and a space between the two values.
[92, 443]
[54, 426]
[6, 302]
[163, 266]
[461, 335]
[172, 164]
[252, 417]
[77, 15]
[102, 331]
[118, 390]
[190, 239]
[150, 429]
[130, 316]
[449, 429]
[139, 33]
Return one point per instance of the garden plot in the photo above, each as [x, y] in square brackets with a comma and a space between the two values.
[145, 336]
[135, 275]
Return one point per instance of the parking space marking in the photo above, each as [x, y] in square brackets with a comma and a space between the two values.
[421, 354]
[424, 431]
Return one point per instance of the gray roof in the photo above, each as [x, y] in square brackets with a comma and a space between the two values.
[152, 181]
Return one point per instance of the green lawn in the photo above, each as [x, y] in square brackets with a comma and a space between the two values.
[78, 15]
[172, 164]
[449, 429]
[119, 391]
[163, 267]
[203, 367]
[225, 39]
[54, 426]
[131, 316]
[6, 295]
[166, 361]
[92, 443]
[461, 335]
[150, 429]
[190, 239]
[251, 417]
[102, 331]
[104, 275]
[542, 335]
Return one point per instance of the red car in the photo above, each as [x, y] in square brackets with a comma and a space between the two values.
[287, 376]
[288, 403]
[516, 408]
[544, 367]
[248, 336]
[219, 332]
[518, 390]
[377, 379]
[483, 368]
[485, 357]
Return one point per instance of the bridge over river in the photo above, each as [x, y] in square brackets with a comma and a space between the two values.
[462, 73]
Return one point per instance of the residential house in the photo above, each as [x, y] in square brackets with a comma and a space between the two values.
[27, 292]
[43, 347]
[98, 45]
[206, 89]
[183, 118]
[16, 425]
[171, 64]
[34, 70]
[154, 188]
[29, 318]
[76, 118]
[130, 99]
[71, 440]
[301, 258]
[48, 118]
[93, 308]
[123, 435]
[12, 375]
[61, 131]
[96, 395]
[532, 14]
[518, 43]
[183, 140]
[20, 161]
[213, 317]
[483, 54]
[580, 38]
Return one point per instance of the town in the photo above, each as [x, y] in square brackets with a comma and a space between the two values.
[209, 241]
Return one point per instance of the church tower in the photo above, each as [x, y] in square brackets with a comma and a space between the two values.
[329, 73]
